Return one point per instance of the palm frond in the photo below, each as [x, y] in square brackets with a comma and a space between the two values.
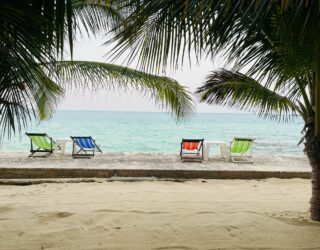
[94, 17]
[33, 33]
[263, 34]
[25, 94]
[236, 90]
[164, 32]
[93, 75]
[32, 41]
[42, 26]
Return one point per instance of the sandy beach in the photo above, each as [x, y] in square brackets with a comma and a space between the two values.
[197, 214]
[159, 125]
[110, 160]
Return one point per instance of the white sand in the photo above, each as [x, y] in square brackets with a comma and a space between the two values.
[215, 214]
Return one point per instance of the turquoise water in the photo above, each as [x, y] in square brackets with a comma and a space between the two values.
[158, 132]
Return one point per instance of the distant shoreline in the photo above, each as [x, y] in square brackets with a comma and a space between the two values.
[137, 111]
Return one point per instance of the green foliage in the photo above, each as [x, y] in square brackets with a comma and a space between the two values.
[94, 75]
[93, 17]
[165, 32]
[32, 32]
[274, 42]
[234, 89]
[32, 45]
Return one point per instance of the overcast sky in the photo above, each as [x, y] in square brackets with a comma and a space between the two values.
[93, 50]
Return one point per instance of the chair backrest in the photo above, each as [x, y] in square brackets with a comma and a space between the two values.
[40, 140]
[191, 144]
[84, 141]
[241, 145]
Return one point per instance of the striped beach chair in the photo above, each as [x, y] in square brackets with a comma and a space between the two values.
[241, 150]
[191, 150]
[84, 147]
[40, 143]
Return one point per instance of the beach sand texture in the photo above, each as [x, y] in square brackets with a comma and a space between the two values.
[151, 161]
[197, 214]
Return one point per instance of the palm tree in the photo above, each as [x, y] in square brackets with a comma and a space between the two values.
[34, 74]
[275, 43]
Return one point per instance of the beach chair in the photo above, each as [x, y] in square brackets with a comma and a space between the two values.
[40, 143]
[191, 150]
[241, 150]
[84, 147]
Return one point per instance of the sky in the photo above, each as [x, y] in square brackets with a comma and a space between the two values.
[94, 50]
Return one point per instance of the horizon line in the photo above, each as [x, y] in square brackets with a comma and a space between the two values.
[138, 111]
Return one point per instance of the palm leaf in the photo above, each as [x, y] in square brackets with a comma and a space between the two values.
[24, 93]
[95, 75]
[94, 17]
[236, 90]
[32, 32]
[164, 32]
[262, 34]
[31, 78]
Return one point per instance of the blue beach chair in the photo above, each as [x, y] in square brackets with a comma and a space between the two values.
[87, 146]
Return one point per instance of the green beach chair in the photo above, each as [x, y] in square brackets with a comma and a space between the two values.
[40, 143]
[241, 150]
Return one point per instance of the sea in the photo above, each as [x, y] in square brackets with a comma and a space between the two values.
[156, 132]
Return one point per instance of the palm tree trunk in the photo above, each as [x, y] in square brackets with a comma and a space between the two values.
[313, 138]
[312, 148]
[315, 197]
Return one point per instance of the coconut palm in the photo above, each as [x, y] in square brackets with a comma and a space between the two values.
[276, 45]
[33, 74]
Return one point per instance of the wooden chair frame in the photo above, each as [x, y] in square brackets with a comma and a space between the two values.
[186, 156]
[82, 152]
[247, 157]
[39, 150]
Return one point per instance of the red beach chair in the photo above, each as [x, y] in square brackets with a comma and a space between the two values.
[191, 150]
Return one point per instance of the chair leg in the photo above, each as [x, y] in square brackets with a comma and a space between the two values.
[32, 153]
[202, 153]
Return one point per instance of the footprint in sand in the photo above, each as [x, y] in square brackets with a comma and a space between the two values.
[5, 219]
[108, 211]
[173, 247]
[20, 234]
[4, 209]
[64, 214]
[130, 211]
[206, 212]
[47, 217]
[147, 212]
[230, 231]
